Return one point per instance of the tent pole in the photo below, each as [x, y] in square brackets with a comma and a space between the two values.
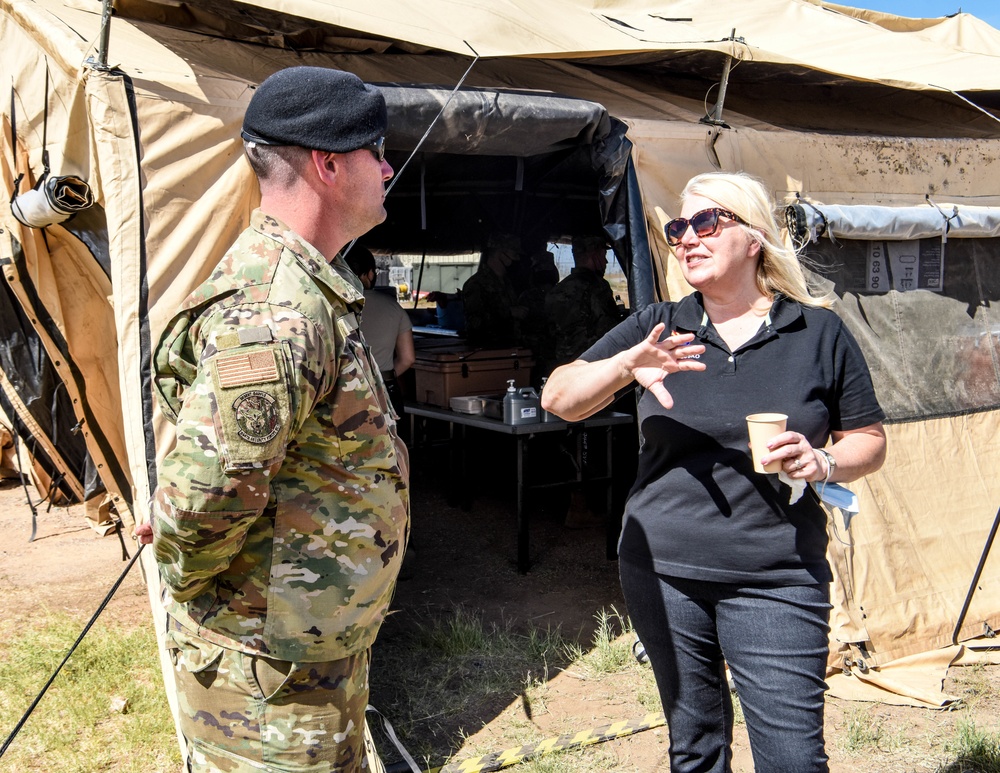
[716, 116]
[726, 68]
[975, 577]
[101, 61]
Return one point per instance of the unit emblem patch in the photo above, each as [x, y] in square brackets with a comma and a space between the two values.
[256, 416]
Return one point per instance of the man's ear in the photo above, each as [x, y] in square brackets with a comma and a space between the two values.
[326, 165]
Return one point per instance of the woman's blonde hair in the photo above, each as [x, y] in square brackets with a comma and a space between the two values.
[778, 269]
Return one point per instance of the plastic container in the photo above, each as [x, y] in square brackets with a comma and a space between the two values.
[520, 406]
[546, 415]
[448, 370]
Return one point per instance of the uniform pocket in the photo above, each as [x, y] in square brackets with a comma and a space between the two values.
[270, 675]
[192, 653]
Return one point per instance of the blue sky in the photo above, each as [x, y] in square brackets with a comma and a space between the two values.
[987, 10]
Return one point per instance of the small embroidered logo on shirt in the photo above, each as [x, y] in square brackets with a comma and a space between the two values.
[256, 416]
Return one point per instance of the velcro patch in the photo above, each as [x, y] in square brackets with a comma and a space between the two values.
[252, 411]
[243, 368]
[256, 415]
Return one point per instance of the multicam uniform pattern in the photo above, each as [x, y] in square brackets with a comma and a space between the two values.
[580, 309]
[281, 513]
[489, 300]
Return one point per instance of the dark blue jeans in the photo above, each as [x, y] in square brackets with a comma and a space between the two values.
[775, 640]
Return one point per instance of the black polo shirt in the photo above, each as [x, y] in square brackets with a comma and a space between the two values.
[697, 509]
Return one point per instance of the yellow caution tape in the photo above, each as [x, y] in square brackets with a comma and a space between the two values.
[508, 757]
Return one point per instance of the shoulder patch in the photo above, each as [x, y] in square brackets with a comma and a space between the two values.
[256, 415]
[244, 368]
[252, 406]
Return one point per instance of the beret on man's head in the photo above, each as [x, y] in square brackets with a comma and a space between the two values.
[316, 108]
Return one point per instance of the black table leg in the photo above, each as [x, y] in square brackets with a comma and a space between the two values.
[523, 557]
[613, 520]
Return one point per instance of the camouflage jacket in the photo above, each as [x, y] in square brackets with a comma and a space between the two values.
[580, 309]
[489, 301]
[281, 513]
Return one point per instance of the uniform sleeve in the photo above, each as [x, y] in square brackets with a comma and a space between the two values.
[257, 379]
[855, 404]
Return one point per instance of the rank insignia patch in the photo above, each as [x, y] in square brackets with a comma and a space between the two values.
[256, 416]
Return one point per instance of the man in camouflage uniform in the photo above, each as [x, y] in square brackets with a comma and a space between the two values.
[582, 308]
[492, 312]
[281, 513]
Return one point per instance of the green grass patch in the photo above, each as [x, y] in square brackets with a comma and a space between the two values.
[866, 732]
[105, 711]
[440, 679]
[975, 750]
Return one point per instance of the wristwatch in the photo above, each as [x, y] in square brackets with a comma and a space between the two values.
[831, 463]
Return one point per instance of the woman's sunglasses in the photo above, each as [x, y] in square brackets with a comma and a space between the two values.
[704, 223]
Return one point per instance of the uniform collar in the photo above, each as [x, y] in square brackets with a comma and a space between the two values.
[311, 259]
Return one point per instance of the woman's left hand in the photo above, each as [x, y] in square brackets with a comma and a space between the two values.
[798, 458]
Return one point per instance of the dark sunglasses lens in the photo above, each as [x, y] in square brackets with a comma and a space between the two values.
[705, 223]
[377, 149]
[675, 230]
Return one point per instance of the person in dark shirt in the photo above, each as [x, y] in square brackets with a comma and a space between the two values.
[582, 307]
[536, 333]
[492, 313]
[720, 564]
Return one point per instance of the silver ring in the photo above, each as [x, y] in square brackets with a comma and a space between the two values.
[798, 464]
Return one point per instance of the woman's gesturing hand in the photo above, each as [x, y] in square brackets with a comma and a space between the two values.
[650, 361]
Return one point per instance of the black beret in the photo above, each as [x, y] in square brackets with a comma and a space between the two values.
[316, 108]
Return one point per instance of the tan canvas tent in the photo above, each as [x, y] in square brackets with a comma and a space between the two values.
[577, 114]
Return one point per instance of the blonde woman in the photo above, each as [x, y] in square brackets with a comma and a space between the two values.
[717, 564]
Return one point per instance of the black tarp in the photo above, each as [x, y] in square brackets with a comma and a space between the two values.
[537, 164]
[38, 388]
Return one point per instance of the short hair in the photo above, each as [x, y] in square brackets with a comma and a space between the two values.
[277, 164]
[778, 268]
[361, 260]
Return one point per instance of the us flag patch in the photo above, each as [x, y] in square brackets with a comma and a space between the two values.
[247, 368]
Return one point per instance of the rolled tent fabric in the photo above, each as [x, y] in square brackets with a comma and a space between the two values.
[54, 201]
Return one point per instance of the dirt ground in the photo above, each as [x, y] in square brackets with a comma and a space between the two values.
[467, 557]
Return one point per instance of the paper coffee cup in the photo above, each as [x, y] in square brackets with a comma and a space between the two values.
[763, 427]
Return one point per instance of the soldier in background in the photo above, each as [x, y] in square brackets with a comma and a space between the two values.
[582, 307]
[492, 313]
[580, 310]
[535, 332]
[281, 513]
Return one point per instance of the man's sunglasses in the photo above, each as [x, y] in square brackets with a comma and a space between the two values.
[377, 149]
[704, 223]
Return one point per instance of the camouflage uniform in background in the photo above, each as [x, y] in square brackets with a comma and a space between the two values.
[488, 300]
[281, 514]
[580, 309]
